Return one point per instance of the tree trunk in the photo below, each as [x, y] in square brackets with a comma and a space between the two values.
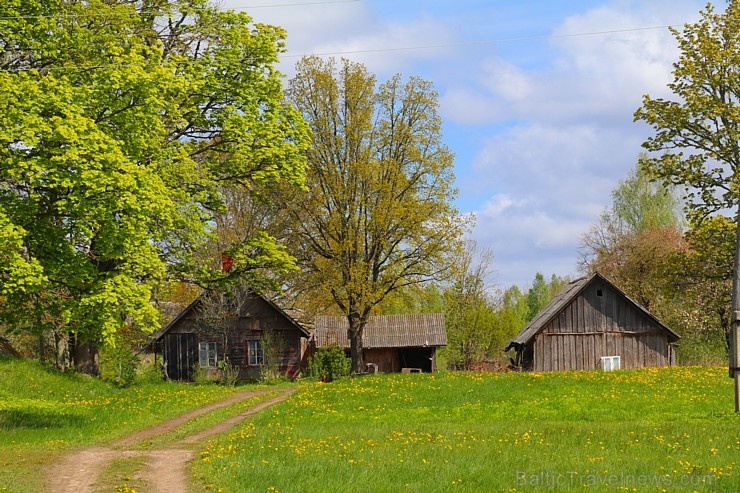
[735, 317]
[356, 352]
[61, 344]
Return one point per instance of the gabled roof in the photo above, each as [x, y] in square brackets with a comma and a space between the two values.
[385, 331]
[192, 306]
[563, 299]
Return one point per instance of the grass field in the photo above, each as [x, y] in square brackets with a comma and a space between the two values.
[667, 430]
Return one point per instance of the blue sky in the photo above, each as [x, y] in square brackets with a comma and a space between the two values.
[537, 98]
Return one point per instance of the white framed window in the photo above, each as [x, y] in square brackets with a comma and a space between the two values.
[207, 354]
[609, 363]
[255, 353]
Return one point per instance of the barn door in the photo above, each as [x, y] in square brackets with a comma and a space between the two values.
[180, 354]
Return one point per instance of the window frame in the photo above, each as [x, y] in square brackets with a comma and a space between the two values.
[255, 353]
[207, 352]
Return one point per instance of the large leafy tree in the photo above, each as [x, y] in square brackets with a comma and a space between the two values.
[121, 124]
[378, 215]
[705, 122]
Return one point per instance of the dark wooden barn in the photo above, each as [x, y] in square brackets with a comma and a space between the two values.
[592, 324]
[391, 343]
[257, 322]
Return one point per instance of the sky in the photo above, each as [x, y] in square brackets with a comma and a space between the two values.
[536, 96]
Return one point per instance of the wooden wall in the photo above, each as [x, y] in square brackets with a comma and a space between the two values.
[600, 322]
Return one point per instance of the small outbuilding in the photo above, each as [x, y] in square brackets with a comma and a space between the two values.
[593, 324]
[258, 330]
[391, 343]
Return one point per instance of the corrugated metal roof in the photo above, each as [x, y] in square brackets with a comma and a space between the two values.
[562, 299]
[381, 331]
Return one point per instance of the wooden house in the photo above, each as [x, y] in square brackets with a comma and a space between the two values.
[592, 324]
[186, 342]
[391, 343]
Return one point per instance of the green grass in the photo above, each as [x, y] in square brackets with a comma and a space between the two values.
[671, 430]
[44, 413]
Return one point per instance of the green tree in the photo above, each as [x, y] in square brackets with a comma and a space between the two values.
[120, 125]
[538, 296]
[379, 213]
[635, 238]
[470, 317]
[699, 280]
[704, 121]
[513, 310]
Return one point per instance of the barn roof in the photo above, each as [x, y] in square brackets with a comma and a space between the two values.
[161, 332]
[563, 299]
[385, 331]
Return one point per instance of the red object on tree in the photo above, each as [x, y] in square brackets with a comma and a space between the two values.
[227, 263]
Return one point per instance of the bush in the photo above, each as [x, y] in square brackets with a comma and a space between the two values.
[118, 364]
[204, 375]
[329, 363]
[228, 374]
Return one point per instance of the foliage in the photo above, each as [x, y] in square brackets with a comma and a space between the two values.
[700, 280]
[443, 432]
[635, 240]
[378, 215]
[699, 131]
[228, 374]
[273, 349]
[119, 124]
[704, 119]
[119, 364]
[329, 363]
[203, 375]
[469, 314]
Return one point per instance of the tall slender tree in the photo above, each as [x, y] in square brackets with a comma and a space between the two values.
[378, 214]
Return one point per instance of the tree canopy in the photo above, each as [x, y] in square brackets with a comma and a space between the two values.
[699, 133]
[120, 125]
[378, 215]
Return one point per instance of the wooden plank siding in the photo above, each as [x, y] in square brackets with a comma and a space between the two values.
[591, 319]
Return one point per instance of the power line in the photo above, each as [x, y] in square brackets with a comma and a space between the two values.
[381, 50]
[493, 41]
[139, 12]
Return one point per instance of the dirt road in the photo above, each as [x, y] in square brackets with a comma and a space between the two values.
[165, 470]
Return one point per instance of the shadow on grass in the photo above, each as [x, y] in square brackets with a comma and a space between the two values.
[19, 419]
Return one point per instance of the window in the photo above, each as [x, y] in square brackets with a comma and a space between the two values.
[207, 354]
[610, 363]
[255, 353]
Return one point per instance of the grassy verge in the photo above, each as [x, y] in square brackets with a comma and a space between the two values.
[671, 429]
[44, 413]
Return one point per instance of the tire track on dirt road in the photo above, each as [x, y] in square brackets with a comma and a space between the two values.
[165, 468]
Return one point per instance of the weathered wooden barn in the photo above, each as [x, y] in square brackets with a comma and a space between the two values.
[592, 324]
[186, 342]
[391, 343]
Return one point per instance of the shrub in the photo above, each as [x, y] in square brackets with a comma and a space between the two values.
[118, 364]
[329, 363]
[204, 375]
[228, 374]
